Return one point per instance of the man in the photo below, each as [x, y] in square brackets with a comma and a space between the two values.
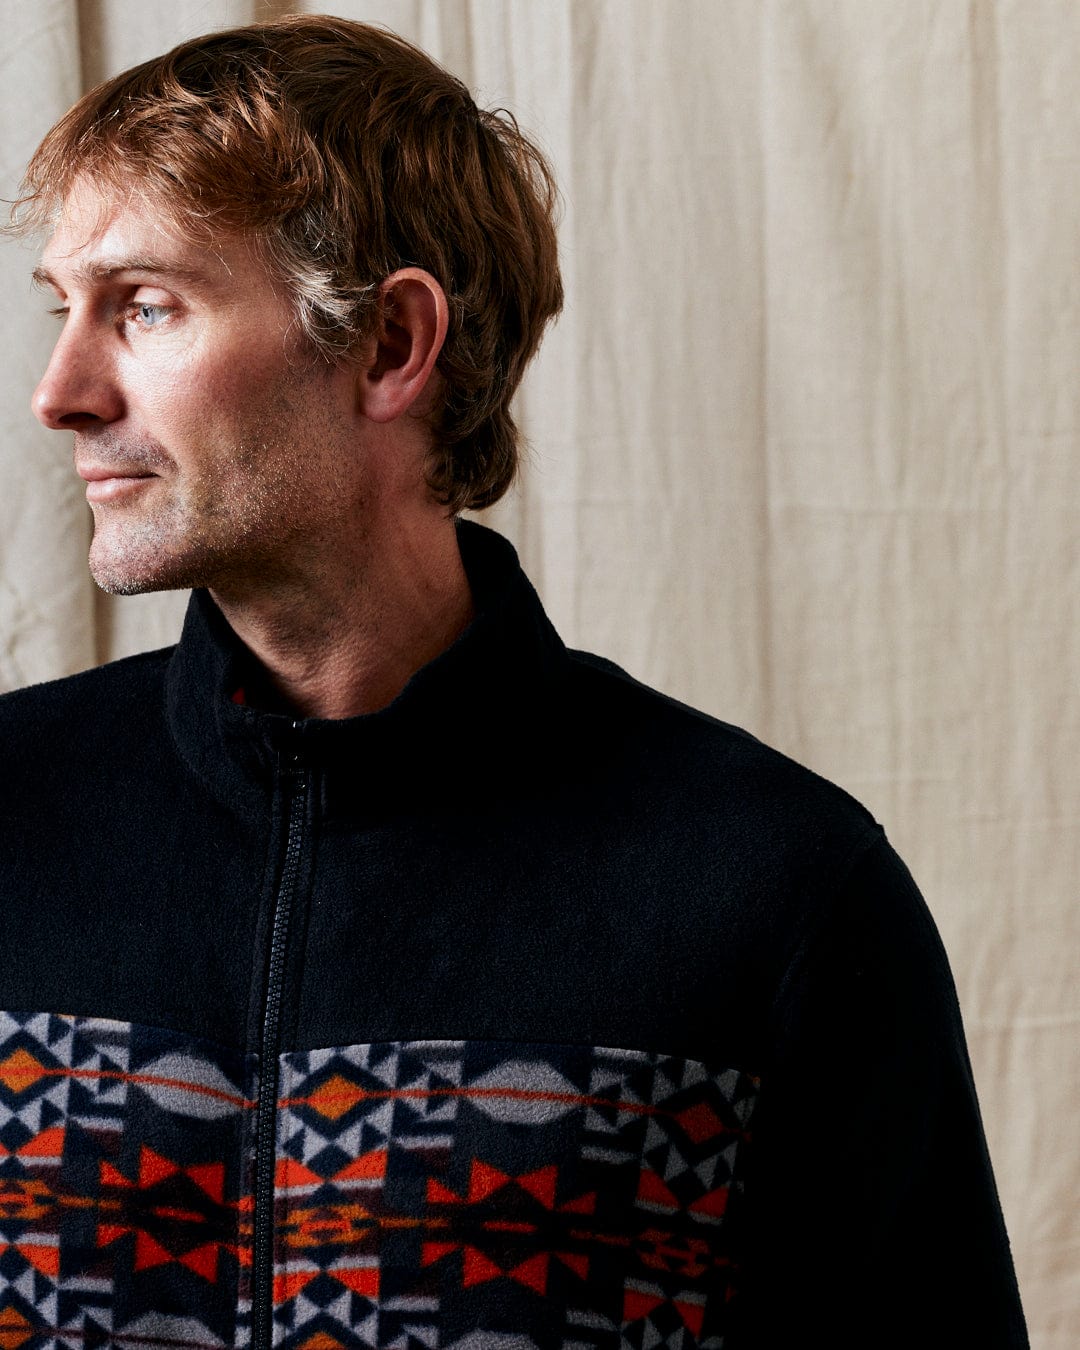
[379, 972]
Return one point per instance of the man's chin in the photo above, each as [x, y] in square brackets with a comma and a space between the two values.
[128, 586]
[129, 576]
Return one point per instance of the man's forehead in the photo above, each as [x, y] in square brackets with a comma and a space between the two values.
[100, 233]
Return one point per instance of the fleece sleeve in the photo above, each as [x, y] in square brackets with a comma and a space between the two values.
[871, 1203]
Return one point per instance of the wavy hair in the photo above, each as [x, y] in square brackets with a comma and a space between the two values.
[344, 153]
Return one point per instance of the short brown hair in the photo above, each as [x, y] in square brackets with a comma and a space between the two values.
[344, 153]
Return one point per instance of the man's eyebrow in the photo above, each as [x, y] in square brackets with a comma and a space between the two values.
[107, 269]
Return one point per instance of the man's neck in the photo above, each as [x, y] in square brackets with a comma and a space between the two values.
[346, 637]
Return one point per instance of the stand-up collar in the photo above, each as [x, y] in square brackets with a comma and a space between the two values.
[493, 685]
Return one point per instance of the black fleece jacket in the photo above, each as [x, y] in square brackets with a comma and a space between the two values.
[533, 1010]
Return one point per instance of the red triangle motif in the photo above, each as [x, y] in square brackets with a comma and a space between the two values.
[43, 1258]
[578, 1264]
[541, 1184]
[478, 1268]
[149, 1253]
[289, 1172]
[484, 1180]
[367, 1165]
[47, 1144]
[289, 1284]
[692, 1314]
[154, 1168]
[209, 1177]
[653, 1191]
[637, 1305]
[713, 1203]
[532, 1273]
[362, 1280]
[431, 1252]
[203, 1261]
[112, 1176]
[584, 1204]
[438, 1194]
[109, 1232]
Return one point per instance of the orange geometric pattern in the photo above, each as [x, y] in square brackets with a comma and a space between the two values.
[468, 1179]
[574, 1194]
[15, 1329]
[20, 1070]
[121, 1183]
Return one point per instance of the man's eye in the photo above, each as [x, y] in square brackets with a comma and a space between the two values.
[150, 315]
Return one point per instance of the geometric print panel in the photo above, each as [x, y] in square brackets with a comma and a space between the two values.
[484, 1195]
[122, 1184]
[468, 1195]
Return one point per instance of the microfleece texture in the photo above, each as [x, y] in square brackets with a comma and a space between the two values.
[536, 1009]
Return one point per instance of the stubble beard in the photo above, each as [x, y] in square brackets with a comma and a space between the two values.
[202, 534]
[261, 504]
[240, 527]
[230, 522]
[194, 530]
[154, 551]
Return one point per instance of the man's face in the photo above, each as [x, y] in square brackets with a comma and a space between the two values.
[216, 450]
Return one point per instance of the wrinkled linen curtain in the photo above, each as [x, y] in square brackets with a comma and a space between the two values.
[805, 444]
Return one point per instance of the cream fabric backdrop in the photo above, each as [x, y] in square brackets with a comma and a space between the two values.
[805, 441]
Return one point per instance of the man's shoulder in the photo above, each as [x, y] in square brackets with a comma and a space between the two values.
[678, 758]
[85, 710]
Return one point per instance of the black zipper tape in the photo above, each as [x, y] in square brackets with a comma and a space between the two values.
[262, 1310]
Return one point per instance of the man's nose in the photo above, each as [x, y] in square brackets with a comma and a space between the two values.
[78, 389]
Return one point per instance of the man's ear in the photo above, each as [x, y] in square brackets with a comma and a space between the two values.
[413, 318]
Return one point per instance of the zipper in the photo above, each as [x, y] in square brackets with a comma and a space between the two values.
[294, 775]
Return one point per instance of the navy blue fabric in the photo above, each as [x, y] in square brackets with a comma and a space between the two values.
[528, 845]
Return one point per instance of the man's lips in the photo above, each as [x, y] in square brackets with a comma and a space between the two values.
[107, 482]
